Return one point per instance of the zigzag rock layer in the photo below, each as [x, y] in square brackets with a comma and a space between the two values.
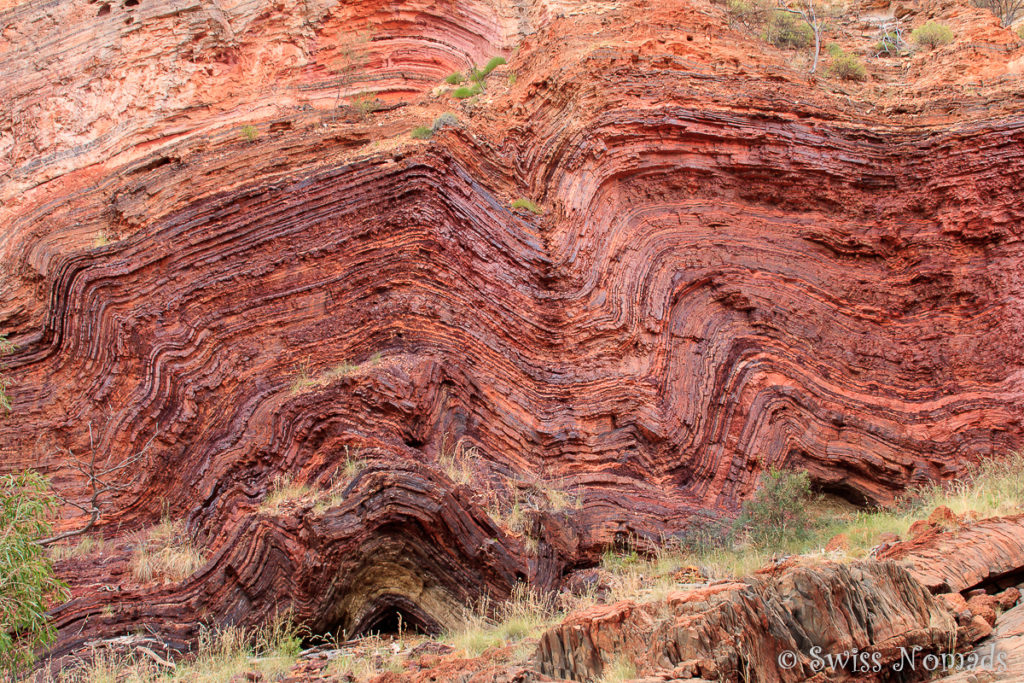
[222, 250]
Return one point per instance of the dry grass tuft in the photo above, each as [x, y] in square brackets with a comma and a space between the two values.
[167, 553]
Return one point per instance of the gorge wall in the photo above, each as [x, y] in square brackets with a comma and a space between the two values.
[737, 267]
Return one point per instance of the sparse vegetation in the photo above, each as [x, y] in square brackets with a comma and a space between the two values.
[457, 460]
[512, 78]
[86, 545]
[102, 239]
[618, 670]
[846, 66]
[285, 490]
[778, 509]
[6, 348]
[1020, 31]
[250, 133]
[166, 552]
[748, 14]
[493, 64]
[365, 103]
[785, 29]
[221, 655]
[305, 380]
[422, 132]
[27, 584]
[526, 614]
[932, 34]
[1007, 10]
[455, 78]
[445, 120]
[523, 203]
[467, 91]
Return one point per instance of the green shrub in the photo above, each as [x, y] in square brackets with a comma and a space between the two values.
[778, 509]
[422, 132]
[444, 120]
[846, 66]
[454, 79]
[493, 64]
[464, 92]
[512, 77]
[27, 583]
[932, 34]
[788, 30]
[522, 203]
[250, 133]
[746, 13]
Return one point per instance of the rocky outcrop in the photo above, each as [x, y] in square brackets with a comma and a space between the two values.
[988, 554]
[736, 267]
[765, 629]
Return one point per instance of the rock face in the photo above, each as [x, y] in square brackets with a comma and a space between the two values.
[736, 267]
[988, 554]
[775, 629]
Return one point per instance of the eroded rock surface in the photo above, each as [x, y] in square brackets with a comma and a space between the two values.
[736, 267]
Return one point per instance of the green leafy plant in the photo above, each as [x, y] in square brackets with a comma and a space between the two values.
[846, 66]
[455, 78]
[788, 30]
[778, 509]
[467, 91]
[27, 583]
[512, 78]
[493, 64]
[530, 206]
[250, 133]
[422, 132]
[932, 34]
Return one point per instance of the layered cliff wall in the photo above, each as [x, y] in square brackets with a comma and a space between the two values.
[219, 240]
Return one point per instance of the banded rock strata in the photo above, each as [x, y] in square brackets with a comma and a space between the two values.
[737, 267]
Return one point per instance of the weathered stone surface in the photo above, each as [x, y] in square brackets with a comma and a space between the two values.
[730, 629]
[737, 267]
[985, 554]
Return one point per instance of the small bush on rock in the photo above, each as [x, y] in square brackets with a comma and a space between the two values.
[788, 30]
[932, 34]
[778, 509]
[846, 66]
[422, 132]
[444, 120]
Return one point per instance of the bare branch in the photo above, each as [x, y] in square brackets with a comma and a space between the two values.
[99, 486]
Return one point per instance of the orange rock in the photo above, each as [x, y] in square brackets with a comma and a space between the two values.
[943, 516]
[838, 542]
[1008, 598]
[984, 607]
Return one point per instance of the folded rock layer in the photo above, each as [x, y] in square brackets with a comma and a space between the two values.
[222, 251]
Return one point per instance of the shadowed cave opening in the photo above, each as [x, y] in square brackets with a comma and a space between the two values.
[388, 615]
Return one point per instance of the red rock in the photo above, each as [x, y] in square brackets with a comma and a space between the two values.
[984, 607]
[943, 516]
[838, 542]
[737, 267]
[713, 631]
[1008, 598]
[966, 558]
